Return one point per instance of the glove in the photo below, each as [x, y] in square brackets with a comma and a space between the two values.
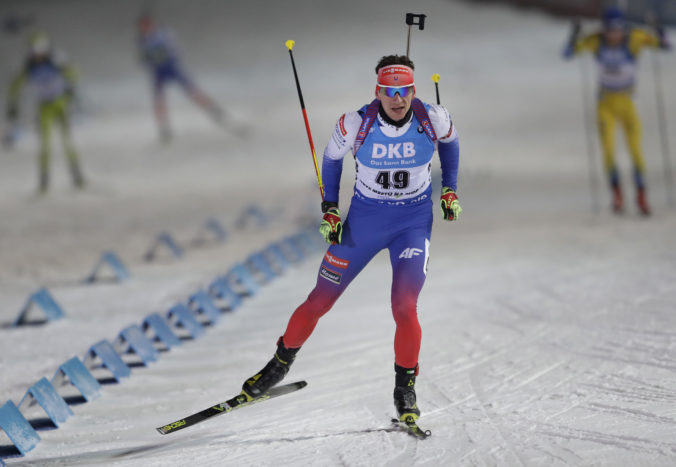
[450, 206]
[331, 227]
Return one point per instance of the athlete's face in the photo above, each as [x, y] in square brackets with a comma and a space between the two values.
[397, 106]
[614, 36]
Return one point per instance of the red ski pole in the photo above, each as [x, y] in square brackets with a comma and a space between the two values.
[289, 45]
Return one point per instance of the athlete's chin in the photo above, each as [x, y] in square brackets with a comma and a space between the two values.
[399, 113]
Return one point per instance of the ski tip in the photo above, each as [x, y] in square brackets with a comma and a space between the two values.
[300, 384]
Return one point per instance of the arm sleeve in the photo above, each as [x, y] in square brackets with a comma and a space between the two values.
[449, 155]
[342, 140]
[448, 146]
[639, 39]
[586, 44]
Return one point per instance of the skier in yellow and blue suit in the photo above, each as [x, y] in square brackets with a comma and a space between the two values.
[54, 83]
[616, 49]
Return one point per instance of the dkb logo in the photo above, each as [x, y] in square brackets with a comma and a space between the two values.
[392, 151]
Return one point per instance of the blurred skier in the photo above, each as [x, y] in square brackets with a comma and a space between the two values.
[54, 82]
[160, 55]
[616, 49]
[393, 140]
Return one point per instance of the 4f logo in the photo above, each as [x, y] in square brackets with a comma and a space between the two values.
[409, 253]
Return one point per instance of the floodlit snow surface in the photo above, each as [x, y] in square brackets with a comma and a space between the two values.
[549, 333]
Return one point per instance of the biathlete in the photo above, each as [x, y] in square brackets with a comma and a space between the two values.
[53, 80]
[160, 55]
[393, 140]
[616, 49]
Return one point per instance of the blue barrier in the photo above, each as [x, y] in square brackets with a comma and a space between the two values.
[111, 259]
[109, 358]
[186, 319]
[80, 377]
[240, 276]
[161, 329]
[43, 300]
[277, 254]
[51, 402]
[202, 303]
[297, 253]
[17, 428]
[260, 264]
[133, 339]
[211, 225]
[252, 212]
[220, 288]
[164, 239]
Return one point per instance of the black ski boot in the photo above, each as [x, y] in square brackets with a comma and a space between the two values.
[404, 393]
[271, 374]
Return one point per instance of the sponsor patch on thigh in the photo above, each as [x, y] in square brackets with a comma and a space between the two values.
[330, 275]
[335, 261]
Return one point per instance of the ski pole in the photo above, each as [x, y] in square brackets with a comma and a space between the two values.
[664, 136]
[653, 18]
[436, 78]
[289, 45]
[411, 21]
[593, 183]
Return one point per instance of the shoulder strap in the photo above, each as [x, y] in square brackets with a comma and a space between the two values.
[423, 117]
[367, 120]
[371, 112]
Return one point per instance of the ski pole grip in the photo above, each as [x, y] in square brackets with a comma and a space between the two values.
[413, 19]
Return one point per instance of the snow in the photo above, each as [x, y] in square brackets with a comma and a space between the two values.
[548, 331]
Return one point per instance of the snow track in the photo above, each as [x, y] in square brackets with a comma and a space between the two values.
[548, 332]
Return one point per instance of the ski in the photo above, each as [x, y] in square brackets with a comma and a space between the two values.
[411, 427]
[236, 402]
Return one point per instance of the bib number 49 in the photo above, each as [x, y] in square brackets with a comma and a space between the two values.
[398, 179]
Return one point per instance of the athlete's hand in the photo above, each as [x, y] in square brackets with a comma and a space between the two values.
[331, 227]
[450, 206]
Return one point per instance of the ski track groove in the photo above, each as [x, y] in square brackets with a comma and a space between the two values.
[490, 417]
[629, 443]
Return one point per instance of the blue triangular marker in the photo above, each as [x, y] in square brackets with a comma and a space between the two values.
[112, 260]
[186, 319]
[202, 303]
[240, 275]
[17, 428]
[44, 300]
[111, 360]
[162, 330]
[51, 402]
[261, 264]
[164, 238]
[220, 288]
[138, 343]
[80, 377]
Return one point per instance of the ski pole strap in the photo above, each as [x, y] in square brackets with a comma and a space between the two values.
[372, 111]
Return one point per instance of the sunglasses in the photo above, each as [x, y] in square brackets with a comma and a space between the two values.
[391, 91]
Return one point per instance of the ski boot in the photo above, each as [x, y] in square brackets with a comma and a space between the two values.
[404, 393]
[642, 202]
[618, 202]
[271, 374]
